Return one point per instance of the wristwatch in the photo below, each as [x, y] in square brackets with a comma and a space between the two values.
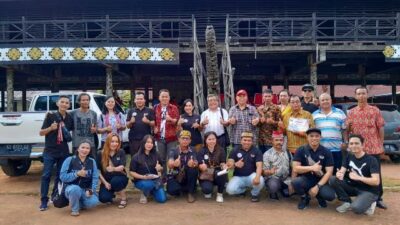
[319, 186]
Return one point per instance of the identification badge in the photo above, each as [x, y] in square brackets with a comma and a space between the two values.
[206, 157]
[239, 155]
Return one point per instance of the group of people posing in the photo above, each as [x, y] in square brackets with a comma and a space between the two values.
[296, 147]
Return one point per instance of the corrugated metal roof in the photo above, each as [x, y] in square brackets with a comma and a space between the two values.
[44, 9]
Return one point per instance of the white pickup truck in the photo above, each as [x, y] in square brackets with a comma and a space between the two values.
[20, 142]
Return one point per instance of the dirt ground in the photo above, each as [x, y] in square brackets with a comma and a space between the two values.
[19, 201]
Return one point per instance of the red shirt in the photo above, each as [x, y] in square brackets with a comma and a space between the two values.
[170, 127]
[367, 122]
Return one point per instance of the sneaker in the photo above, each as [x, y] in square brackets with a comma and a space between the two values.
[304, 202]
[285, 193]
[322, 203]
[208, 196]
[370, 211]
[220, 198]
[274, 196]
[344, 207]
[43, 206]
[190, 198]
[74, 213]
[255, 198]
[143, 199]
[380, 204]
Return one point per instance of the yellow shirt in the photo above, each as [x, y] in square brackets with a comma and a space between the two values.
[287, 110]
[294, 141]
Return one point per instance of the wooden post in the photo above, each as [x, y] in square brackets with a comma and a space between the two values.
[3, 100]
[362, 73]
[394, 93]
[109, 81]
[24, 106]
[313, 72]
[10, 89]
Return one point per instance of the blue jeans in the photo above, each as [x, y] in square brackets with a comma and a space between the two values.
[77, 198]
[48, 165]
[149, 187]
[238, 185]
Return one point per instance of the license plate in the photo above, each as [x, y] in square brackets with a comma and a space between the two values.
[15, 149]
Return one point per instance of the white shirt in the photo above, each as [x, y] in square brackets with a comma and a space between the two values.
[163, 121]
[214, 121]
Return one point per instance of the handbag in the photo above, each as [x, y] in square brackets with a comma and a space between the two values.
[65, 132]
[58, 196]
[181, 175]
[59, 199]
[227, 140]
[208, 174]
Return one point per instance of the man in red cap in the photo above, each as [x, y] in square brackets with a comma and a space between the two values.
[276, 167]
[242, 117]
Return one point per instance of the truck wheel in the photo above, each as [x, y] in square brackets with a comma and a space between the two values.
[16, 167]
[395, 158]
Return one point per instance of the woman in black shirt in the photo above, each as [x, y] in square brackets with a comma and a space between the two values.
[212, 159]
[191, 122]
[111, 162]
[146, 171]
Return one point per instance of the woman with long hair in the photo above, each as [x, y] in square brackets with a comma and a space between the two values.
[191, 122]
[111, 162]
[111, 120]
[79, 173]
[212, 159]
[146, 171]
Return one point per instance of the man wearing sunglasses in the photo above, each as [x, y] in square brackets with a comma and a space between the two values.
[308, 98]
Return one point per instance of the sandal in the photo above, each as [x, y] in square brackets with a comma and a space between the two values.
[122, 204]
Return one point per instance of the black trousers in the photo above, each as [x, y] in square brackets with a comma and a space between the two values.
[378, 158]
[208, 186]
[188, 183]
[303, 184]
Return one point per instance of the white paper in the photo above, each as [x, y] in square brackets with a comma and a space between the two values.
[298, 125]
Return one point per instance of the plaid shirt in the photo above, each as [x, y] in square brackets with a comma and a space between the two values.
[243, 122]
[265, 129]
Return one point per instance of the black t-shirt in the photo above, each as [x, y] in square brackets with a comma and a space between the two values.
[365, 167]
[306, 155]
[139, 129]
[144, 164]
[187, 125]
[185, 156]
[118, 159]
[310, 107]
[250, 158]
[212, 159]
[51, 146]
